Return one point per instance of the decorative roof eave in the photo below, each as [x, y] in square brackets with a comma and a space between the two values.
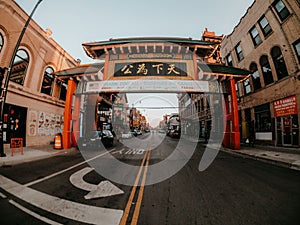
[80, 70]
[220, 70]
[99, 49]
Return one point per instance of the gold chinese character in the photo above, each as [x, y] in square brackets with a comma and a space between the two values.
[142, 69]
[158, 67]
[127, 69]
[171, 69]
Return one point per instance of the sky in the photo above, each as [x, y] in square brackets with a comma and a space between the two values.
[74, 22]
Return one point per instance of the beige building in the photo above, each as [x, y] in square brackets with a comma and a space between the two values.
[267, 42]
[35, 100]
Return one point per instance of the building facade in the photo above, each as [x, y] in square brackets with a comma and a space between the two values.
[35, 100]
[267, 42]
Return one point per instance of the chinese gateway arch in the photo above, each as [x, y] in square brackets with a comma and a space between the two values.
[155, 64]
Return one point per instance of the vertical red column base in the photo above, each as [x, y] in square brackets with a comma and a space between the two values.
[66, 139]
[235, 140]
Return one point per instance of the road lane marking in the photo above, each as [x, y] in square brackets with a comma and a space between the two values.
[33, 214]
[64, 208]
[129, 202]
[65, 170]
[2, 195]
[103, 189]
[141, 192]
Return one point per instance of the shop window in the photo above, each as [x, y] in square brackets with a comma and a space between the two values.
[48, 80]
[266, 70]
[1, 42]
[297, 48]
[239, 52]
[229, 60]
[247, 87]
[19, 68]
[255, 36]
[263, 121]
[255, 76]
[281, 9]
[279, 63]
[265, 26]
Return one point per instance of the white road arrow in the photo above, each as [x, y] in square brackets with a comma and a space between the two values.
[103, 189]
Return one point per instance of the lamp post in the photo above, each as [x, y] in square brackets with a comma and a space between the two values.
[7, 78]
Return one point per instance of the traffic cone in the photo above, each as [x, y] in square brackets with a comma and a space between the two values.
[57, 142]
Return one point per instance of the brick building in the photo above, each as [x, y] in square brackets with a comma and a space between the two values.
[35, 100]
[267, 42]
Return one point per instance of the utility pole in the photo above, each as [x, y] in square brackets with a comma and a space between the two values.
[7, 78]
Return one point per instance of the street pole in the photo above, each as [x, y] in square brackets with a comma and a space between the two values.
[7, 78]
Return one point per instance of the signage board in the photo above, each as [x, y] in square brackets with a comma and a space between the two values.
[285, 107]
[147, 85]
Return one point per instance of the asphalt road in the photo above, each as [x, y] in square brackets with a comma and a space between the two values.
[67, 190]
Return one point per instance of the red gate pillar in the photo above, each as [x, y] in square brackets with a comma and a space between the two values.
[66, 139]
[76, 121]
[227, 115]
[235, 133]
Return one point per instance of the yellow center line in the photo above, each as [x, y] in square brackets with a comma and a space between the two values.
[129, 203]
[140, 196]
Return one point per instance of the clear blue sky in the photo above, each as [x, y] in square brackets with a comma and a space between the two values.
[74, 22]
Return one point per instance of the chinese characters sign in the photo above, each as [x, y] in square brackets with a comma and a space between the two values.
[150, 69]
[285, 107]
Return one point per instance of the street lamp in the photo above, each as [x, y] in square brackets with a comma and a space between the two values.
[7, 78]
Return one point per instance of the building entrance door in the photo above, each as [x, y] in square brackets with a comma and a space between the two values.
[287, 130]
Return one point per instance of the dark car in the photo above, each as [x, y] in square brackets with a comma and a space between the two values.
[95, 139]
[107, 138]
[175, 133]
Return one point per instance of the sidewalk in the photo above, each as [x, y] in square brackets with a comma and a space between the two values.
[31, 153]
[282, 156]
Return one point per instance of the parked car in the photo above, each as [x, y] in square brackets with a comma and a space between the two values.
[138, 132]
[107, 138]
[175, 133]
[95, 139]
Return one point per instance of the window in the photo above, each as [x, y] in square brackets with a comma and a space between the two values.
[279, 62]
[297, 48]
[255, 76]
[266, 69]
[263, 118]
[255, 36]
[48, 79]
[281, 9]
[63, 91]
[265, 26]
[247, 87]
[237, 89]
[238, 51]
[229, 60]
[19, 68]
[1, 42]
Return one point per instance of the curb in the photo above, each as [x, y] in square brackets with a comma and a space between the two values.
[263, 159]
[11, 162]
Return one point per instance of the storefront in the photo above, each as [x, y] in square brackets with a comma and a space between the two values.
[14, 123]
[287, 127]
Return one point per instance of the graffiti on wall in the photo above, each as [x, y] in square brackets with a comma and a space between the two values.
[44, 123]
